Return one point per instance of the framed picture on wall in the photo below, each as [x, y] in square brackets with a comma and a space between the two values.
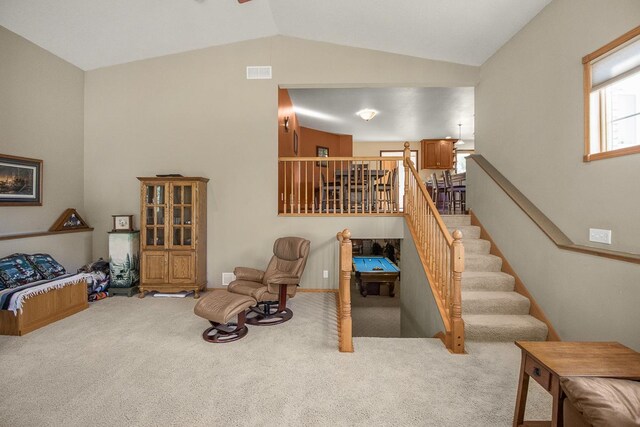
[295, 142]
[322, 152]
[20, 181]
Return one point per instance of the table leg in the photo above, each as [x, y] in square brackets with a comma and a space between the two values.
[558, 396]
[521, 397]
[392, 287]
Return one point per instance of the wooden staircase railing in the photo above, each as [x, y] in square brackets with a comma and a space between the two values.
[441, 254]
[345, 336]
[332, 186]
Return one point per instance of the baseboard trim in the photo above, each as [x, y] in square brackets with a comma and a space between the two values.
[535, 310]
[330, 291]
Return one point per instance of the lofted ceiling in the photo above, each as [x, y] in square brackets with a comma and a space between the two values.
[404, 114]
[94, 33]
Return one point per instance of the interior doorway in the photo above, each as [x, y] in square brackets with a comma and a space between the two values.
[375, 299]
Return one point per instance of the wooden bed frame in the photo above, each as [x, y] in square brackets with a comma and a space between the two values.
[43, 309]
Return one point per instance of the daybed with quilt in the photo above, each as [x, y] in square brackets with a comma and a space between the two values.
[36, 291]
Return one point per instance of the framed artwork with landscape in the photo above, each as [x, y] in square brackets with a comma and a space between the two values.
[20, 181]
[322, 152]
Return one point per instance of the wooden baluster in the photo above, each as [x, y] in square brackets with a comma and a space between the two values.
[306, 188]
[284, 187]
[457, 267]
[299, 176]
[407, 157]
[292, 195]
[346, 339]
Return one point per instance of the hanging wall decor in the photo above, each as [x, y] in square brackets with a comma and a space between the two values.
[20, 181]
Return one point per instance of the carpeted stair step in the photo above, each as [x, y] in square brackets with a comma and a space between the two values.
[503, 327]
[491, 281]
[452, 221]
[480, 302]
[476, 246]
[480, 262]
[468, 231]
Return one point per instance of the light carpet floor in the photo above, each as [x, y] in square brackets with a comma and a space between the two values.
[375, 315]
[126, 361]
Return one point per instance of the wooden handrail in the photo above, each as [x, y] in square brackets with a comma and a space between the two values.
[344, 159]
[441, 254]
[545, 224]
[345, 333]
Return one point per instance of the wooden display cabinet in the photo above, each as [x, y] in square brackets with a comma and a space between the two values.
[438, 153]
[173, 234]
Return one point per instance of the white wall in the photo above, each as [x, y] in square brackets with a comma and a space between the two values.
[41, 117]
[529, 125]
[196, 114]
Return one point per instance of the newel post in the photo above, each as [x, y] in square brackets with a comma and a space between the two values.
[407, 159]
[346, 339]
[457, 267]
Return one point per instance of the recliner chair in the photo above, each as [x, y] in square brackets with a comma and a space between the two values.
[272, 287]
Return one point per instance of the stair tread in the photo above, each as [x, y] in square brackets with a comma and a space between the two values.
[455, 220]
[471, 231]
[492, 274]
[494, 302]
[475, 246]
[503, 320]
[495, 295]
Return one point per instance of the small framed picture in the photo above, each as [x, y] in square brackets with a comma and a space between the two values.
[122, 222]
[295, 142]
[322, 152]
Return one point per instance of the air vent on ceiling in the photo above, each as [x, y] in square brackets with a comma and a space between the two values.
[260, 72]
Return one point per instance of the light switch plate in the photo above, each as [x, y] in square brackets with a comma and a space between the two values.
[325, 274]
[600, 236]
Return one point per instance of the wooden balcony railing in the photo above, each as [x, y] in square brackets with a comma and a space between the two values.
[345, 335]
[442, 254]
[339, 185]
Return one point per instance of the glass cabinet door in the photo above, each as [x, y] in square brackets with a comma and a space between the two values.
[154, 211]
[182, 212]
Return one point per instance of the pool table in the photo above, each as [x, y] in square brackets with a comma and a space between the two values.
[375, 269]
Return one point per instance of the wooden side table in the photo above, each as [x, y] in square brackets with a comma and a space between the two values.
[547, 361]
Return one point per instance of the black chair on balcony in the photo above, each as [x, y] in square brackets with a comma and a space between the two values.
[357, 190]
[389, 191]
[455, 194]
[330, 195]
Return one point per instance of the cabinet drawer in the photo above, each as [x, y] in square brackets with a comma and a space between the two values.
[538, 373]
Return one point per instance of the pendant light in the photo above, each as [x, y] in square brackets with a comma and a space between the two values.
[460, 141]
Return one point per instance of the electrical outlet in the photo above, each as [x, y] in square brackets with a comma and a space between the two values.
[325, 274]
[600, 236]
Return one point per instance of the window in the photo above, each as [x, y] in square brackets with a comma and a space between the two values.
[612, 98]
[461, 160]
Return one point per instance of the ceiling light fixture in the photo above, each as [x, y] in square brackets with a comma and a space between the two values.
[460, 141]
[367, 114]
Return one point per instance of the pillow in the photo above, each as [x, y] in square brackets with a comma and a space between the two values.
[2, 285]
[604, 401]
[16, 270]
[46, 265]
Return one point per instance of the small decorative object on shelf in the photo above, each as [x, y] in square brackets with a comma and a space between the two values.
[124, 262]
[122, 223]
[69, 220]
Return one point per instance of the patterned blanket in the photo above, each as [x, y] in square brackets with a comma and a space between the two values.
[12, 299]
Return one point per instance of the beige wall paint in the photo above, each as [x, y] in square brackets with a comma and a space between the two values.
[529, 124]
[41, 116]
[196, 114]
[419, 313]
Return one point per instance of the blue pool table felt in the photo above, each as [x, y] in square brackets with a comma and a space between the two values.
[366, 264]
